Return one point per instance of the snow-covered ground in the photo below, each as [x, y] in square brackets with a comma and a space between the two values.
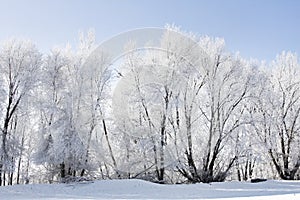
[138, 189]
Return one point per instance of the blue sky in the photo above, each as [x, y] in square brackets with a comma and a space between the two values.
[256, 28]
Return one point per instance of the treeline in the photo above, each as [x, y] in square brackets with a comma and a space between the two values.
[184, 114]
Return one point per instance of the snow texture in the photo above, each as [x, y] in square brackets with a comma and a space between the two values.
[138, 189]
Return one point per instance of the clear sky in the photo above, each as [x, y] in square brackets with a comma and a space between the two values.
[256, 28]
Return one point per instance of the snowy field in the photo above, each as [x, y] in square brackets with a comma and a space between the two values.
[138, 189]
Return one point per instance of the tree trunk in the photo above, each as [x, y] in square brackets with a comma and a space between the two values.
[62, 170]
[109, 147]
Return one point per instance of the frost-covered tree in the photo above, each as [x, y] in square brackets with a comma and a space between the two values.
[53, 92]
[213, 113]
[276, 119]
[61, 150]
[74, 88]
[151, 81]
[188, 102]
[19, 65]
[95, 108]
[187, 111]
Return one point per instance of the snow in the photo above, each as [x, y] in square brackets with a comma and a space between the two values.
[138, 189]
